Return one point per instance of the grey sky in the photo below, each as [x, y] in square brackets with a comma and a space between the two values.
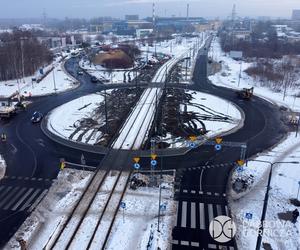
[118, 8]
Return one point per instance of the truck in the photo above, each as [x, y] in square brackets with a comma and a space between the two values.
[245, 93]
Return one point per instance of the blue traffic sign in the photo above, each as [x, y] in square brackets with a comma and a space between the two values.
[249, 216]
[123, 204]
[192, 145]
[153, 163]
[136, 166]
[163, 207]
[218, 147]
[240, 169]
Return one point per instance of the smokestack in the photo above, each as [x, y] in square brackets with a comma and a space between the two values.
[187, 11]
[153, 15]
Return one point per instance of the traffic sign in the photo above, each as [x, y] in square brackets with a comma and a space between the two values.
[136, 159]
[218, 147]
[163, 207]
[123, 205]
[219, 140]
[153, 163]
[240, 162]
[136, 166]
[153, 156]
[193, 138]
[192, 145]
[249, 216]
[239, 169]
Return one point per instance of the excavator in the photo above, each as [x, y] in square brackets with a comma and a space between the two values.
[245, 93]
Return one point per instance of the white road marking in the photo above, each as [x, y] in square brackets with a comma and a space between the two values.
[37, 201]
[184, 243]
[5, 192]
[210, 212]
[226, 210]
[30, 199]
[202, 216]
[201, 174]
[6, 198]
[22, 199]
[219, 210]
[195, 244]
[193, 215]
[183, 214]
[15, 198]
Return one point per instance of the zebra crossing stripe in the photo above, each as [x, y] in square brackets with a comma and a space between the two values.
[22, 199]
[210, 212]
[193, 215]
[183, 214]
[219, 210]
[37, 201]
[5, 192]
[202, 216]
[6, 198]
[15, 198]
[30, 199]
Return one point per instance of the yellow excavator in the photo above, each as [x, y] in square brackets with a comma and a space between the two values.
[245, 93]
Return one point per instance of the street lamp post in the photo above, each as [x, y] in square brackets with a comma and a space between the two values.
[266, 199]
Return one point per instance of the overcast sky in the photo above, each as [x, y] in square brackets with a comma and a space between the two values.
[118, 8]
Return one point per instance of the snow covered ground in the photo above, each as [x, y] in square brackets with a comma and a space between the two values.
[206, 104]
[113, 77]
[229, 77]
[46, 86]
[2, 167]
[133, 225]
[280, 234]
[42, 223]
[64, 121]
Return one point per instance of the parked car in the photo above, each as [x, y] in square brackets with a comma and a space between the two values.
[36, 117]
[94, 79]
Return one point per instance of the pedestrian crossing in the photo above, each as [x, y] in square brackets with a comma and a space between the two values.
[19, 198]
[198, 215]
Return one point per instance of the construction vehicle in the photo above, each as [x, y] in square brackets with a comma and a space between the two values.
[245, 93]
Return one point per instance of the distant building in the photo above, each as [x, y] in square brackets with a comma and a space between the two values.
[140, 33]
[236, 54]
[296, 15]
[131, 17]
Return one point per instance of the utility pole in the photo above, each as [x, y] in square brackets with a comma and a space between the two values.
[54, 82]
[240, 74]
[105, 111]
[22, 58]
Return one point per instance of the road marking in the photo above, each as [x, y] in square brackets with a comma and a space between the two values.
[29, 200]
[219, 210]
[5, 192]
[184, 243]
[202, 216]
[208, 193]
[193, 215]
[6, 198]
[217, 194]
[184, 191]
[175, 242]
[201, 174]
[200, 192]
[193, 191]
[22, 199]
[14, 199]
[212, 246]
[210, 212]
[195, 244]
[226, 210]
[37, 201]
[183, 214]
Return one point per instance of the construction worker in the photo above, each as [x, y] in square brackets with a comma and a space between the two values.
[295, 215]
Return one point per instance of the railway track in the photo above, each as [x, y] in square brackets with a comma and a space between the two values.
[91, 220]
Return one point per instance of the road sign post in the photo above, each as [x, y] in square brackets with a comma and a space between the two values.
[298, 190]
[123, 206]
